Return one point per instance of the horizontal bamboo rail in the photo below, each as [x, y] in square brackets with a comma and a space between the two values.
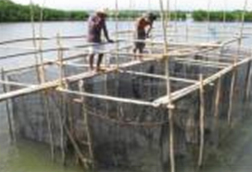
[185, 91]
[56, 83]
[158, 76]
[52, 62]
[109, 98]
[4, 82]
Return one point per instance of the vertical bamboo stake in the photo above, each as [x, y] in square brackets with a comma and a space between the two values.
[187, 32]
[86, 123]
[8, 111]
[202, 122]
[34, 41]
[217, 105]
[60, 59]
[224, 14]
[176, 16]
[117, 28]
[68, 133]
[170, 110]
[248, 82]
[106, 92]
[42, 67]
[62, 124]
[62, 116]
[208, 14]
[232, 89]
[231, 97]
[49, 125]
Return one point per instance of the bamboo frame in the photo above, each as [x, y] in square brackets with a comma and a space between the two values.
[177, 52]
[181, 93]
[55, 83]
[175, 95]
[109, 98]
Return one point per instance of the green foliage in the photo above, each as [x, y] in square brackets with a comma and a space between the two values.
[133, 14]
[229, 16]
[11, 12]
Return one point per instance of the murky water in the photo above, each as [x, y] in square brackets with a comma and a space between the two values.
[234, 153]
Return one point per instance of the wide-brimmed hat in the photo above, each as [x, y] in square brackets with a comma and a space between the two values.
[102, 11]
[150, 16]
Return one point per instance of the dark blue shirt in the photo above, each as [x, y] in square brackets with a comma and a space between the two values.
[95, 26]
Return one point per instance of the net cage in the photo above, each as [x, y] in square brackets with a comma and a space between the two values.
[116, 118]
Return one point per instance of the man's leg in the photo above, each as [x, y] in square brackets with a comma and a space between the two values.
[135, 51]
[140, 53]
[100, 56]
[91, 61]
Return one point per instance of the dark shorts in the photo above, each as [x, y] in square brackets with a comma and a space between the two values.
[141, 37]
[139, 45]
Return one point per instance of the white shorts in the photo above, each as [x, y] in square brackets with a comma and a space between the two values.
[96, 48]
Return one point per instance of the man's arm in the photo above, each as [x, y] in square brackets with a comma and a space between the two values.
[150, 28]
[105, 30]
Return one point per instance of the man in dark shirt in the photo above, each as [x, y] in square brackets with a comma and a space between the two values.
[141, 33]
[97, 23]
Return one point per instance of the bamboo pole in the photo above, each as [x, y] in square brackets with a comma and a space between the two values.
[110, 98]
[217, 104]
[62, 119]
[70, 136]
[60, 59]
[218, 64]
[158, 76]
[77, 47]
[168, 87]
[40, 48]
[86, 124]
[234, 74]
[34, 41]
[49, 124]
[202, 122]
[8, 111]
[11, 83]
[248, 82]
[56, 61]
[76, 147]
[40, 38]
[231, 94]
[117, 29]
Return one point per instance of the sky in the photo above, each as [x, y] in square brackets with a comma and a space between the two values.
[141, 4]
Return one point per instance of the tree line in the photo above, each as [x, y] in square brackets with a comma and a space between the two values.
[229, 16]
[12, 12]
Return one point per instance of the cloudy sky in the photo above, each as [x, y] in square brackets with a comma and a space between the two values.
[141, 4]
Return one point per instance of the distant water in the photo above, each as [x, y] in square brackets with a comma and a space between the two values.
[28, 156]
